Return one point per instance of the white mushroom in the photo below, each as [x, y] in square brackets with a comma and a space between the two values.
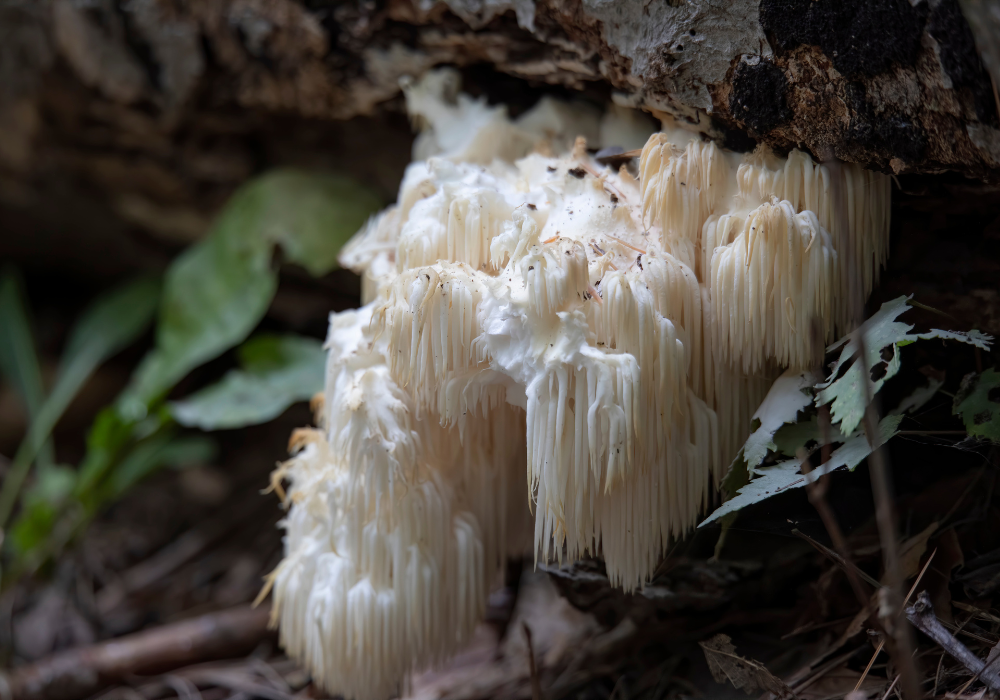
[529, 316]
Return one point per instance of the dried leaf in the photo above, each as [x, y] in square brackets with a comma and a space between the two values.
[912, 551]
[746, 674]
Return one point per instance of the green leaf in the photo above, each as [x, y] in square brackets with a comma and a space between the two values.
[787, 475]
[917, 398]
[215, 294]
[787, 396]
[277, 372]
[881, 332]
[18, 359]
[218, 290]
[737, 476]
[113, 321]
[41, 507]
[312, 215]
[109, 434]
[791, 437]
[161, 450]
[978, 403]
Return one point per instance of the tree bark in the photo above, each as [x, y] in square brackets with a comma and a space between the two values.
[143, 115]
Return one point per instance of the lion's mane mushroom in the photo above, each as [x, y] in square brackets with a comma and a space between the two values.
[541, 317]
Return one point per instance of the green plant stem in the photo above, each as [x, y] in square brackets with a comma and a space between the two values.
[71, 379]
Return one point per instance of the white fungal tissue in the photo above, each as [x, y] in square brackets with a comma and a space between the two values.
[553, 356]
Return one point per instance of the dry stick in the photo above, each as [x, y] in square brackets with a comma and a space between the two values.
[826, 668]
[881, 642]
[823, 549]
[895, 680]
[937, 676]
[921, 614]
[902, 648]
[817, 490]
[989, 664]
[817, 493]
[82, 671]
[536, 683]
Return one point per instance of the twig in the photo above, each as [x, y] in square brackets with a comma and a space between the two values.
[921, 614]
[824, 669]
[909, 595]
[239, 682]
[83, 671]
[536, 683]
[885, 517]
[837, 559]
[878, 650]
[817, 490]
[894, 681]
[937, 676]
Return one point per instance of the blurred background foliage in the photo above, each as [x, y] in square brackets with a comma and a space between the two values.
[210, 300]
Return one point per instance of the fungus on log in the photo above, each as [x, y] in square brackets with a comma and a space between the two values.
[546, 337]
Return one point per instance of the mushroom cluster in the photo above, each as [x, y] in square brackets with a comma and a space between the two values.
[553, 356]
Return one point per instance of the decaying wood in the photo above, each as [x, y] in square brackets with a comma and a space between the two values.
[81, 671]
[161, 107]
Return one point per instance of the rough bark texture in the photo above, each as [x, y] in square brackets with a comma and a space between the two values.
[161, 107]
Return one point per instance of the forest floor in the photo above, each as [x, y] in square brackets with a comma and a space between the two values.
[156, 599]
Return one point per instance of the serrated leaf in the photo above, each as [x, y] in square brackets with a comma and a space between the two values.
[279, 371]
[788, 395]
[978, 403]
[791, 437]
[882, 332]
[217, 291]
[919, 397]
[787, 475]
[737, 476]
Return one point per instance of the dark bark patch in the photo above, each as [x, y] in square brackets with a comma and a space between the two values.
[737, 140]
[898, 135]
[759, 96]
[861, 37]
[957, 49]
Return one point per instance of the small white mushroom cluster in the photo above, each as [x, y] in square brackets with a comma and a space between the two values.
[532, 316]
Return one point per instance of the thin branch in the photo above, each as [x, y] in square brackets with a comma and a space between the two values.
[885, 517]
[921, 614]
[536, 684]
[82, 671]
[837, 559]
